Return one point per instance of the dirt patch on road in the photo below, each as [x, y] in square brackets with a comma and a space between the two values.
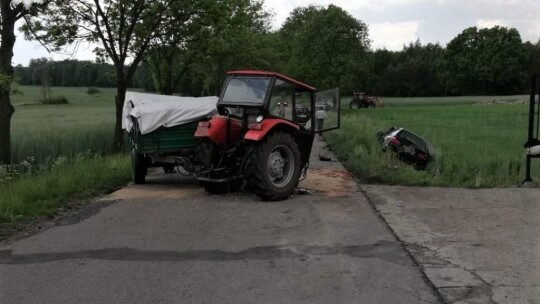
[149, 191]
[330, 182]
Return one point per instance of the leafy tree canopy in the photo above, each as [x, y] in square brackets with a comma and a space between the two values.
[486, 61]
[326, 47]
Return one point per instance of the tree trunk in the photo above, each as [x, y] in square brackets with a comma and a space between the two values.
[7, 38]
[6, 112]
[118, 132]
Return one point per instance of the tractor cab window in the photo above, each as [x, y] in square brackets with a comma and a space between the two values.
[281, 101]
[246, 91]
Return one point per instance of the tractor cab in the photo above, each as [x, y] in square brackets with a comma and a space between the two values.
[249, 95]
[263, 133]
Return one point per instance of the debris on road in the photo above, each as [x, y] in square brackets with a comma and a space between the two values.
[409, 147]
[324, 157]
[303, 191]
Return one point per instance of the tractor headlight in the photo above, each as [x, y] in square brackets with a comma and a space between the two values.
[259, 118]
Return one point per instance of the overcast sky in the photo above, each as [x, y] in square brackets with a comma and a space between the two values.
[391, 22]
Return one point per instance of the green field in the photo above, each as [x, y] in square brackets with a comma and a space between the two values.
[478, 146]
[49, 131]
[66, 152]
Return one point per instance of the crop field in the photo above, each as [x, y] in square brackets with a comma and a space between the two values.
[63, 152]
[49, 131]
[477, 146]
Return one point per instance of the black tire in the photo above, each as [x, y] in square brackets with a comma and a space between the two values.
[138, 167]
[354, 105]
[168, 169]
[222, 188]
[278, 151]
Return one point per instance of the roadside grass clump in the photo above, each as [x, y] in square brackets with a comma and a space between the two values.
[40, 194]
[54, 100]
[476, 146]
[93, 91]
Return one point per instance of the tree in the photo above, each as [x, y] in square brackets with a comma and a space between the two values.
[10, 12]
[414, 71]
[327, 47]
[123, 28]
[485, 61]
[164, 56]
[235, 38]
[195, 49]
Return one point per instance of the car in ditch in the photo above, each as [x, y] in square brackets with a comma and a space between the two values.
[408, 146]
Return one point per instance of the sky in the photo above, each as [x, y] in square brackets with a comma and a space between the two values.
[391, 23]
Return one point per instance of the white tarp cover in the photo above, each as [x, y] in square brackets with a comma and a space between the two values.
[153, 111]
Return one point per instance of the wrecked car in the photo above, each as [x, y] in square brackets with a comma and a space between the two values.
[409, 147]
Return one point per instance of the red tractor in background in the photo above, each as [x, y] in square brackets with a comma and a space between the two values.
[262, 135]
[361, 100]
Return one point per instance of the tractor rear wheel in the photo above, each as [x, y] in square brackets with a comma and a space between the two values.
[273, 166]
[354, 105]
[138, 167]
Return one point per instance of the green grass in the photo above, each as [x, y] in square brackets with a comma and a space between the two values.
[48, 131]
[39, 195]
[478, 146]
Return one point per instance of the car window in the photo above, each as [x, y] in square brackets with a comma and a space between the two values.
[413, 139]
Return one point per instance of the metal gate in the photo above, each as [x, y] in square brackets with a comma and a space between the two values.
[533, 142]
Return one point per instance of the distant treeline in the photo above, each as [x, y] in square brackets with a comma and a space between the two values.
[74, 73]
[323, 46]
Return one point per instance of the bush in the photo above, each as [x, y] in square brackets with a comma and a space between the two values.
[54, 100]
[93, 91]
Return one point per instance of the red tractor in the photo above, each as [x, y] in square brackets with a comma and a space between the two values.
[260, 136]
[361, 100]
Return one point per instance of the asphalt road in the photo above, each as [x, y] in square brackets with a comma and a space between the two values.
[170, 242]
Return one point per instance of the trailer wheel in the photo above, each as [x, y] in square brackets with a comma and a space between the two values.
[354, 105]
[273, 166]
[138, 167]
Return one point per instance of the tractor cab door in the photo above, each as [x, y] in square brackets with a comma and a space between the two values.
[327, 110]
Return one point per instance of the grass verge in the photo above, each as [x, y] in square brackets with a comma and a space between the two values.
[477, 146]
[31, 196]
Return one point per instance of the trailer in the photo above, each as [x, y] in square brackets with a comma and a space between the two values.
[160, 131]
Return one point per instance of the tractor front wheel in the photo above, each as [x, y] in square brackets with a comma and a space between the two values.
[273, 166]
[354, 105]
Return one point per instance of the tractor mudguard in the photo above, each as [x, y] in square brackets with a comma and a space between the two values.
[257, 131]
[216, 130]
